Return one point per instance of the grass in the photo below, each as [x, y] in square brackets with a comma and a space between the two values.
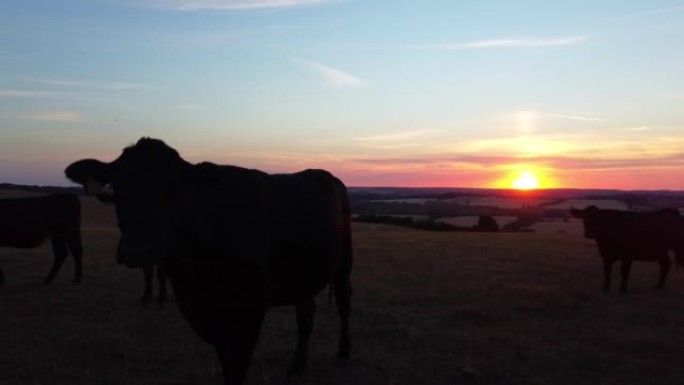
[429, 308]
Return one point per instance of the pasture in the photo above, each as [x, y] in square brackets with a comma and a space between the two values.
[428, 308]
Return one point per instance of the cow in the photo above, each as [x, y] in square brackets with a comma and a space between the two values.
[633, 236]
[26, 223]
[148, 267]
[232, 242]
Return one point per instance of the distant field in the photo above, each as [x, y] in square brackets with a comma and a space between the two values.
[583, 203]
[418, 201]
[469, 221]
[429, 308]
[502, 202]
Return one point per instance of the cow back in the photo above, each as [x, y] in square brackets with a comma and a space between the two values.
[26, 222]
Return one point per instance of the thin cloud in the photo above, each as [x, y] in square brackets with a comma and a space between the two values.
[550, 162]
[192, 107]
[334, 76]
[9, 93]
[113, 86]
[58, 116]
[658, 12]
[502, 43]
[396, 136]
[579, 117]
[197, 5]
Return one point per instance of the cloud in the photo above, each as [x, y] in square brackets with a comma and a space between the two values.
[196, 5]
[334, 76]
[57, 116]
[396, 136]
[113, 86]
[550, 162]
[658, 12]
[8, 93]
[579, 117]
[192, 107]
[502, 43]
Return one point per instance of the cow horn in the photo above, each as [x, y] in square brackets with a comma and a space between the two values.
[92, 186]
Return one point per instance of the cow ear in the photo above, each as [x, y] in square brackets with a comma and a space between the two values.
[577, 213]
[92, 174]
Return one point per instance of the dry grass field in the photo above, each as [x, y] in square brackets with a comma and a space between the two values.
[429, 308]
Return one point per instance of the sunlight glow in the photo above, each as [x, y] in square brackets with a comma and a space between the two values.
[526, 181]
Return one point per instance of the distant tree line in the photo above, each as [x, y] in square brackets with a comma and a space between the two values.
[485, 223]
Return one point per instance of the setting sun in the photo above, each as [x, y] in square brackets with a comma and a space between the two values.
[526, 181]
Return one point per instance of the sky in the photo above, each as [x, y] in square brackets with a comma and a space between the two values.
[432, 93]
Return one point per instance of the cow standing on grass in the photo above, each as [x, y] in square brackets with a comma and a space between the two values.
[232, 242]
[26, 222]
[631, 236]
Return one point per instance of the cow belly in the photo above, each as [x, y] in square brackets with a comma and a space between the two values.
[300, 271]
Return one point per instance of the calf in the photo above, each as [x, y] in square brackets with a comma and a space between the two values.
[26, 222]
[630, 236]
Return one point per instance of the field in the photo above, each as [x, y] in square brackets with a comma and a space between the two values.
[429, 308]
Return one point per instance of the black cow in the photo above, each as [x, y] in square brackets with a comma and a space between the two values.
[232, 242]
[26, 222]
[631, 236]
[149, 266]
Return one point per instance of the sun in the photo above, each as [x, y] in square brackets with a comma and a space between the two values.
[526, 181]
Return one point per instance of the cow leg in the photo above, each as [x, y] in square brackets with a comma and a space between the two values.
[625, 269]
[607, 269]
[343, 294]
[60, 252]
[235, 349]
[665, 265]
[76, 247]
[161, 279]
[148, 271]
[305, 319]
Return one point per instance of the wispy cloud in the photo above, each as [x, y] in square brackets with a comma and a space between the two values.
[57, 116]
[502, 43]
[112, 86]
[579, 117]
[657, 12]
[10, 93]
[397, 136]
[196, 5]
[192, 107]
[334, 76]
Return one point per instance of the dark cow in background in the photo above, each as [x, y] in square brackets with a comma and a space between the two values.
[232, 242]
[633, 236]
[26, 222]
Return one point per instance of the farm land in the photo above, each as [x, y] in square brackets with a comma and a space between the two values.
[429, 307]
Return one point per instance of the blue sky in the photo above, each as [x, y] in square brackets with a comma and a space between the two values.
[402, 93]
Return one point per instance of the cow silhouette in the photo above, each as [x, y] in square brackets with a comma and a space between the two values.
[26, 223]
[232, 242]
[628, 236]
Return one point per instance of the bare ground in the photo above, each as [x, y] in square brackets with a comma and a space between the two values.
[429, 308]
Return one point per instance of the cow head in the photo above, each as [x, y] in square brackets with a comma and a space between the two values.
[144, 180]
[588, 216]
